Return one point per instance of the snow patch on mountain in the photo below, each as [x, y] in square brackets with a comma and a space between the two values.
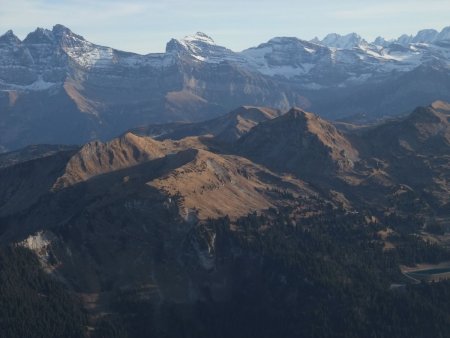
[196, 38]
[201, 47]
[285, 56]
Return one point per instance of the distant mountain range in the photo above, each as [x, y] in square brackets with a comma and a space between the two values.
[56, 87]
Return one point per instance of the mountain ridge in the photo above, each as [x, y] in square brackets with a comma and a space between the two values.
[103, 91]
[422, 36]
[143, 218]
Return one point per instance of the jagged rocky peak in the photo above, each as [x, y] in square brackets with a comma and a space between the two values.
[9, 37]
[380, 41]
[62, 31]
[422, 36]
[39, 36]
[66, 38]
[173, 46]
[59, 29]
[316, 40]
[444, 34]
[59, 33]
[348, 41]
[425, 36]
[404, 39]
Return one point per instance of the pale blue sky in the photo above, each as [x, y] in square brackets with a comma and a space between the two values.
[145, 26]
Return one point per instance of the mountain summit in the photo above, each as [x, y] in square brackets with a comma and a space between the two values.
[299, 142]
[198, 37]
[9, 38]
[200, 47]
[348, 41]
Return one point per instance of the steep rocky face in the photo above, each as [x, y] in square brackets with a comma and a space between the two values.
[91, 92]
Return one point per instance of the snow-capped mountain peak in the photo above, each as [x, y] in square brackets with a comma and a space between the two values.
[348, 41]
[285, 56]
[200, 47]
[198, 37]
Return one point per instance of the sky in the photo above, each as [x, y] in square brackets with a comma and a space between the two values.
[145, 26]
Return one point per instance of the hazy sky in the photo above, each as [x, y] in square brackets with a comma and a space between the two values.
[145, 26]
